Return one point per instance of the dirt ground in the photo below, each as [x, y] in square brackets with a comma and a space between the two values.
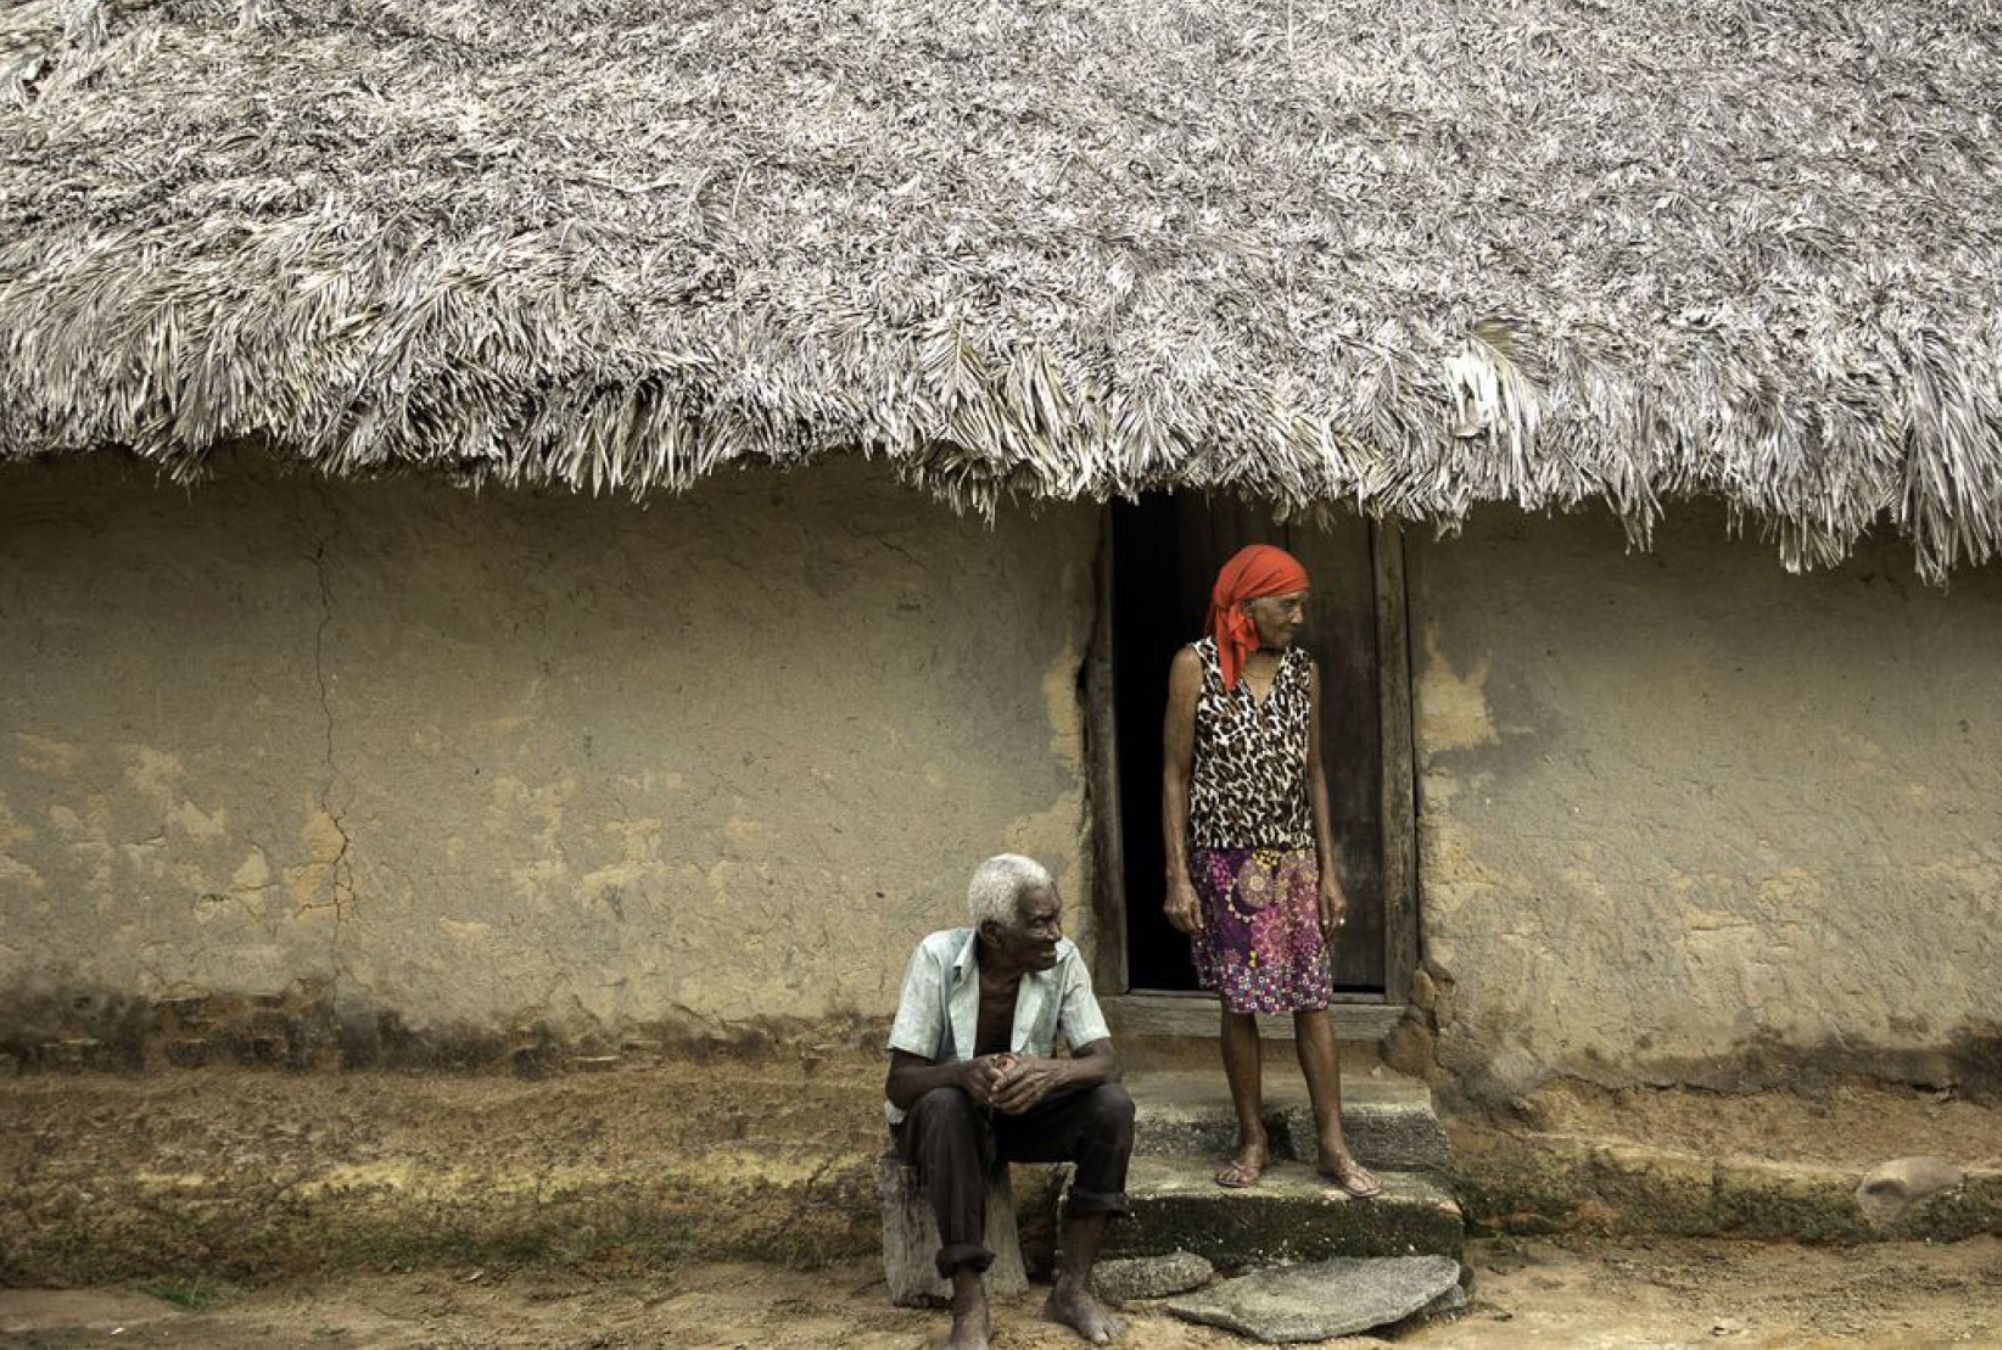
[1526, 1293]
[258, 1175]
[597, 1210]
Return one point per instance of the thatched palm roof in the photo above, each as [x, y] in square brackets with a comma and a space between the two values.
[1409, 256]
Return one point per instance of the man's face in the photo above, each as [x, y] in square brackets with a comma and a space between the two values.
[1031, 941]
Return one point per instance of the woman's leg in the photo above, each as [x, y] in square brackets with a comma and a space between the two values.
[1321, 1065]
[1243, 1068]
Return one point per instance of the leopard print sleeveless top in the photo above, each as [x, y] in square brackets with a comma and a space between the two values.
[1249, 784]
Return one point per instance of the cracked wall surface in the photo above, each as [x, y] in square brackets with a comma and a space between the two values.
[320, 770]
[1685, 818]
[518, 760]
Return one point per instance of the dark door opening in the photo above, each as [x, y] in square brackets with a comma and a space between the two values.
[1166, 549]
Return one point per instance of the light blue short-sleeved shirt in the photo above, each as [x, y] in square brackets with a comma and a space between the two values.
[937, 1015]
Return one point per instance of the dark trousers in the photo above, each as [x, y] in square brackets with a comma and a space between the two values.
[952, 1140]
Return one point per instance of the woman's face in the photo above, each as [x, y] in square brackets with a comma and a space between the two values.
[1278, 618]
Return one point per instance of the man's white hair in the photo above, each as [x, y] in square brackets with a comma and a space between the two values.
[996, 889]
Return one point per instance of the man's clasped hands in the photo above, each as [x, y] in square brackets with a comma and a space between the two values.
[1013, 1083]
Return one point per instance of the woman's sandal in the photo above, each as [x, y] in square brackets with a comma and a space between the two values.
[1239, 1173]
[1352, 1177]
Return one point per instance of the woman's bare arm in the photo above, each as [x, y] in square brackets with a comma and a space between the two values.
[1334, 904]
[1178, 744]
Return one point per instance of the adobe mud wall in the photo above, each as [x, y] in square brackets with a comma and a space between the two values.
[1687, 819]
[389, 772]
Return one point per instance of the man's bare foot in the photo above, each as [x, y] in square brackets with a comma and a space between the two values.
[972, 1324]
[970, 1330]
[1072, 1303]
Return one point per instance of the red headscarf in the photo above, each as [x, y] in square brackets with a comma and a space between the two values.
[1255, 572]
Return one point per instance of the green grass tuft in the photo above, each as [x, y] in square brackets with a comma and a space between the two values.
[190, 1294]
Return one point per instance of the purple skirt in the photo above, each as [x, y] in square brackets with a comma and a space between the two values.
[1260, 949]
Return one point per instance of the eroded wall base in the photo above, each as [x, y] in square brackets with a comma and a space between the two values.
[1685, 819]
[315, 773]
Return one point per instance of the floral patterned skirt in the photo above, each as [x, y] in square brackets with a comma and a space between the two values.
[1261, 948]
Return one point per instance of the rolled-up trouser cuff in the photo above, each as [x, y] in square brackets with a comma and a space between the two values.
[1083, 1203]
[970, 1254]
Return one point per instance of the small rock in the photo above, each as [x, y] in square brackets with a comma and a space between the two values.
[1151, 1276]
[1452, 1301]
[1442, 1308]
[1894, 1188]
[1322, 1299]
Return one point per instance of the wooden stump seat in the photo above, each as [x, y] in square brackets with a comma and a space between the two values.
[910, 1238]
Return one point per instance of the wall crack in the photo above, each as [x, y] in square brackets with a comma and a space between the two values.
[342, 865]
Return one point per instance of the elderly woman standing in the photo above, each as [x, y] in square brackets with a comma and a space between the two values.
[1250, 846]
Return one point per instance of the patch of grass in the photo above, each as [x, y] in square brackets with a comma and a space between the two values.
[189, 1294]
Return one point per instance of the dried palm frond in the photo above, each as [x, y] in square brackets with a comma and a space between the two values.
[1411, 257]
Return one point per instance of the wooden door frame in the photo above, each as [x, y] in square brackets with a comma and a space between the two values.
[1107, 859]
[1400, 845]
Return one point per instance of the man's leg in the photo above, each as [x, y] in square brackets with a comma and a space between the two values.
[947, 1139]
[1094, 1129]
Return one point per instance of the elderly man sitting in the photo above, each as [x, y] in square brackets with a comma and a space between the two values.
[973, 1076]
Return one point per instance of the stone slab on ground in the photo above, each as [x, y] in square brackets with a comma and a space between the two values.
[1388, 1120]
[1131, 1277]
[1893, 1189]
[1292, 1214]
[1322, 1299]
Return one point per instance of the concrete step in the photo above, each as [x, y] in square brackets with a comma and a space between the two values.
[1387, 1118]
[1292, 1214]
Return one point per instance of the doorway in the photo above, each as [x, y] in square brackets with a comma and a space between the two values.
[1164, 553]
